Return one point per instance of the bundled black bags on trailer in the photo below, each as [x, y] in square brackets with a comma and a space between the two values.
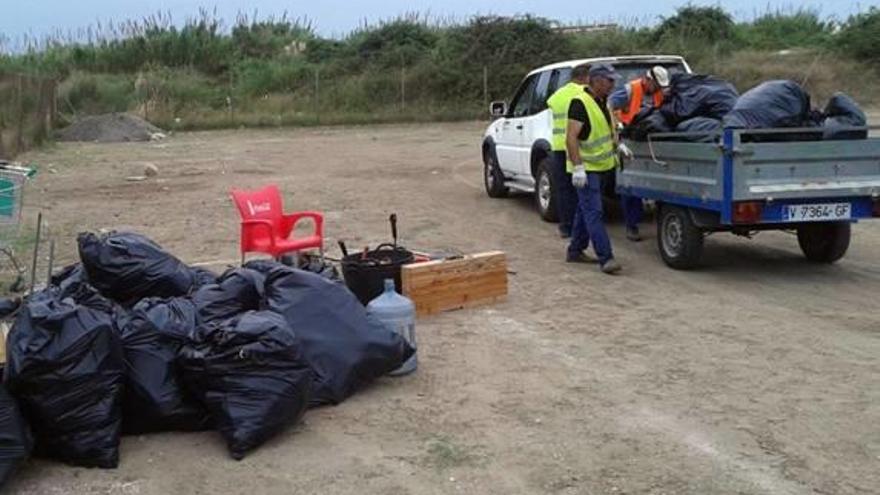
[345, 348]
[774, 104]
[65, 367]
[708, 130]
[250, 373]
[697, 95]
[841, 112]
[129, 267]
[648, 121]
[155, 396]
[15, 437]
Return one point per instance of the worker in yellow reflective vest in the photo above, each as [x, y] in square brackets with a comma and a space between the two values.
[559, 101]
[592, 156]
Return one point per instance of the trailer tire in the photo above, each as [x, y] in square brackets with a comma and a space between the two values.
[679, 240]
[545, 191]
[824, 242]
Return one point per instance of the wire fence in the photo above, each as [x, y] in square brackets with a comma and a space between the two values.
[174, 101]
[27, 112]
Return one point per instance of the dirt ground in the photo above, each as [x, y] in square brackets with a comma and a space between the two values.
[756, 374]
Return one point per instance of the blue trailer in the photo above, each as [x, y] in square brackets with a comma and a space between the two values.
[744, 181]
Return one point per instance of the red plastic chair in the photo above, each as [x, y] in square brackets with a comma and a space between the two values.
[266, 229]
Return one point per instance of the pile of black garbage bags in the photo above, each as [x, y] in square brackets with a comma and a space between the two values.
[700, 106]
[131, 341]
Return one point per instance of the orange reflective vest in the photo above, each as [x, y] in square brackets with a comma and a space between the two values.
[636, 95]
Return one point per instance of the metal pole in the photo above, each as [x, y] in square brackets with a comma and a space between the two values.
[36, 250]
[51, 262]
[19, 139]
[317, 94]
[403, 88]
[485, 87]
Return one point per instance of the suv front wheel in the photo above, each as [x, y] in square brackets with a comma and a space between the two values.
[493, 179]
[545, 191]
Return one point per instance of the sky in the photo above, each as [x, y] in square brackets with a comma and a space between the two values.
[335, 18]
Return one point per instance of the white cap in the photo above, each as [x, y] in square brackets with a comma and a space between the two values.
[659, 75]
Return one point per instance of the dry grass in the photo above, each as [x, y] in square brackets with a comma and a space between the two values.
[821, 73]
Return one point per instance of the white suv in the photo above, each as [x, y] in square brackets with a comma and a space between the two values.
[516, 146]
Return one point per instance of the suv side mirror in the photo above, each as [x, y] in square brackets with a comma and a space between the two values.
[498, 109]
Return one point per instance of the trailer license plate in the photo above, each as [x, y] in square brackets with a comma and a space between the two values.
[819, 212]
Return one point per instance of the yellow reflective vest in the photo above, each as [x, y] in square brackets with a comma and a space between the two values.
[597, 151]
[558, 104]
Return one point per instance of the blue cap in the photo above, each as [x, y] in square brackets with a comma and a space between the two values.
[604, 70]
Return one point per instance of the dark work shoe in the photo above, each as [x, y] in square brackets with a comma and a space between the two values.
[633, 234]
[579, 258]
[564, 234]
[610, 267]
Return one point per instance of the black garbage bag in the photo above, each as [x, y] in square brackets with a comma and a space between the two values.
[202, 276]
[648, 121]
[250, 373]
[697, 95]
[346, 349]
[315, 264]
[775, 104]
[73, 283]
[15, 437]
[236, 291]
[155, 396]
[8, 307]
[709, 130]
[841, 112]
[65, 367]
[74, 273]
[129, 267]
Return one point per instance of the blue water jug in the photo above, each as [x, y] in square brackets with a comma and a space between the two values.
[398, 314]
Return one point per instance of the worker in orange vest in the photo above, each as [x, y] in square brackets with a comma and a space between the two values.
[627, 102]
[642, 92]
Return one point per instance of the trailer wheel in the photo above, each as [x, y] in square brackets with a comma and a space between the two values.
[679, 240]
[824, 242]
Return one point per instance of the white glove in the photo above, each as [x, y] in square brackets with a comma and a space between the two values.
[579, 177]
[625, 151]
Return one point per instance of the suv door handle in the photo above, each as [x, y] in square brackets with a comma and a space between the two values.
[520, 126]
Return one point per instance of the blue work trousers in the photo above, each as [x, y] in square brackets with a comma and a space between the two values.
[566, 197]
[589, 224]
[632, 210]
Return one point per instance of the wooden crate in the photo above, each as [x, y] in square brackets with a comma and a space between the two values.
[444, 285]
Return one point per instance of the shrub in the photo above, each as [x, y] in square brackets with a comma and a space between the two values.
[859, 36]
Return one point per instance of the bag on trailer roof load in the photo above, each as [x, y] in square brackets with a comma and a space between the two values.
[697, 95]
[841, 112]
[708, 129]
[769, 105]
[648, 121]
